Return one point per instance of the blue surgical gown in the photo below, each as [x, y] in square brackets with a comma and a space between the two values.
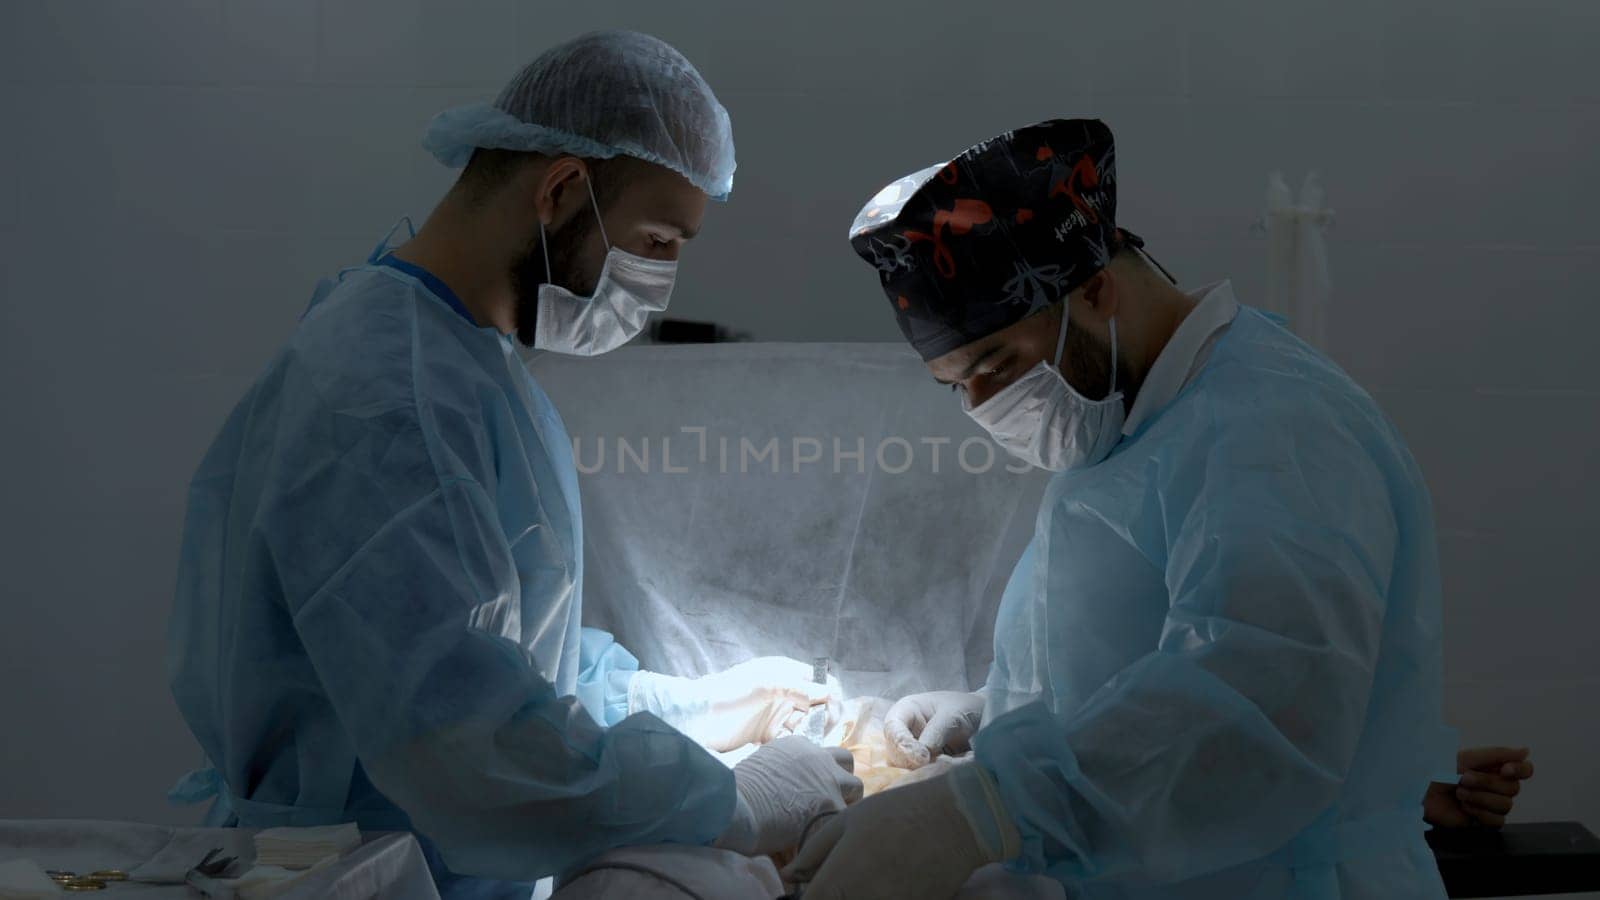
[1217, 665]
[378, 607]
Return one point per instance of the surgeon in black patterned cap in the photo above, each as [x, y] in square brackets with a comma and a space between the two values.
[1217, 665]
[995, 235]
[971, 252]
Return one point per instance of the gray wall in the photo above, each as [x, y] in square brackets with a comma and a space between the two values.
[175, 174]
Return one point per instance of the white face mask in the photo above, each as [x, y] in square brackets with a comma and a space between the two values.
[1042, 420]
[628, 290]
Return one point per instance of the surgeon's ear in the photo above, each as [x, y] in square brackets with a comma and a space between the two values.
[1101, 293]
[560, 191]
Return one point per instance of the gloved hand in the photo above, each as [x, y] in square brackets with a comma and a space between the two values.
[923, 726]
[750, 703]
[782, 787]
[923, 840]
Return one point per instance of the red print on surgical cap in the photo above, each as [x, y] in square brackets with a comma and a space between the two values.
[966, 215]
[1082, 174]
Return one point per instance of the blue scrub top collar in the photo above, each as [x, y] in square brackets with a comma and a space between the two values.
[429, 281]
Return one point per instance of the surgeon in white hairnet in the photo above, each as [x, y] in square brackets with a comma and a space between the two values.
[379, 597]
[1217, 665]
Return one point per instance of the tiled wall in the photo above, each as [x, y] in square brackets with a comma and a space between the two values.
[175, 175]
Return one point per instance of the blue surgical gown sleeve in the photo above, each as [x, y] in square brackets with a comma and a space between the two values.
[454, 724]
[605, 668]
[417, 631]
[1235, 733]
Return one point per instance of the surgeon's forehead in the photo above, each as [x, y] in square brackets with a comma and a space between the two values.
[966, 353]
[661, 196]
[951, 365]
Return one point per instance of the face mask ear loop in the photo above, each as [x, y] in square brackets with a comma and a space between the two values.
[1061, 335]
[544, 245]
[1113, 357]
[596, 204]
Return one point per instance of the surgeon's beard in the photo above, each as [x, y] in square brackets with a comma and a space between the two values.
[528, 273]
[1086, 364]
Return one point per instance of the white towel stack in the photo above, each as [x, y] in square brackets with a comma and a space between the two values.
[302, 848]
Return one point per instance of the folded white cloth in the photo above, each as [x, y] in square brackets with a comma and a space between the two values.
[673, 872]
[263, 882]
[22, 879]
[301, 848]
[995, 882]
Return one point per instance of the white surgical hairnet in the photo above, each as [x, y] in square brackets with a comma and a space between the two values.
[601, 95]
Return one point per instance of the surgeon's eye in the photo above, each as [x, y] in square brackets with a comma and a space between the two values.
[1000, 374]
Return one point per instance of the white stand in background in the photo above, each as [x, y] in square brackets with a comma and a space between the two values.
[1298, 284]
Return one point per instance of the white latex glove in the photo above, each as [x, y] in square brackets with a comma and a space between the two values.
[923, 726]
[922, 840]
[750, 703]
[783, 787]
